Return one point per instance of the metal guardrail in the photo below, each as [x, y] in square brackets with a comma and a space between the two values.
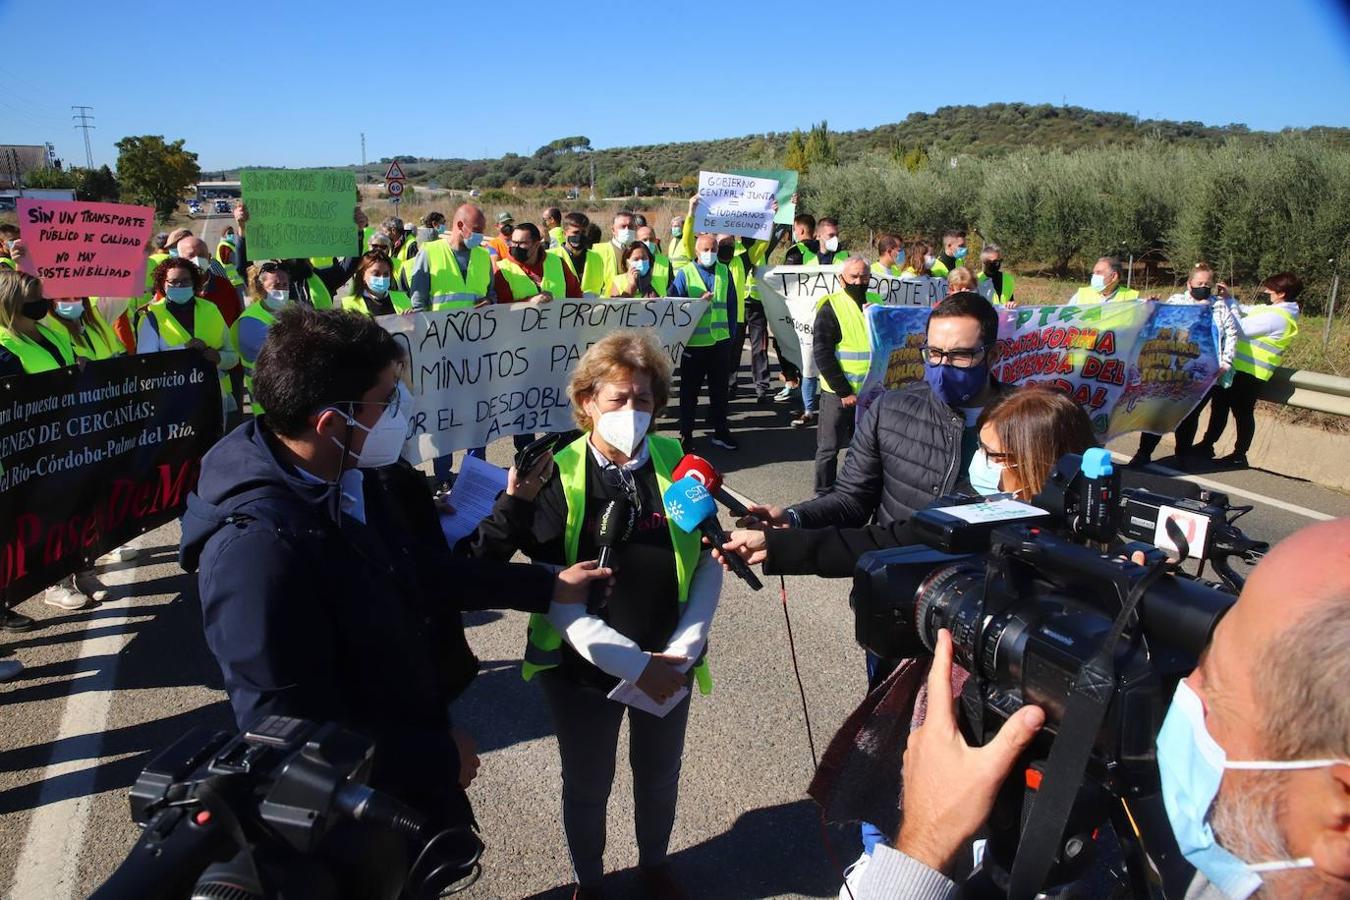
[1309, 390]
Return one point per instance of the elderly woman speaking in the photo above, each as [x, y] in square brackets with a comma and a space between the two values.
[653, 629]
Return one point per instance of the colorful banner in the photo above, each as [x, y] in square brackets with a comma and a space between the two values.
[787, 189]
[298, 213]
[790, 295]
[480, 374]
[93, 455]
[735, 204]
[1134, 366]
[86, 249]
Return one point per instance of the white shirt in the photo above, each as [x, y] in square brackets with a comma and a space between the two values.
[1261, 321]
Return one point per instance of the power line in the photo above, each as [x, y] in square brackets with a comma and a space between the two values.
[83, 119]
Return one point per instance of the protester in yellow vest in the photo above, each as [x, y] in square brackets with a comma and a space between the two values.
[706, 354]
[574, 269]
[993, 283]
[638, 277]
[30, 344]
[456, 271]
[1107, 284]
[372, 288]
[953, 253]
[520, 275]
[678, 254]
[9, 238]
[622, 234]
[890, 257]
[182, 320]
[661, 265]
[90, 337]
[269, 292]
[842, 352]
[654, 625]
[1267, 328]
[819, 244]
[553, 231]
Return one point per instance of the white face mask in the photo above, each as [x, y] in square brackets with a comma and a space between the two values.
[202, 262]
[385, 439]
[707, 258]
[623, 429]
[624, 236]
[830, 244]
[276, 299]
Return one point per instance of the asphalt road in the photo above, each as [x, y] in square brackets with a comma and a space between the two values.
[104, 689]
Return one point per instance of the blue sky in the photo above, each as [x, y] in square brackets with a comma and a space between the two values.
[295, 83]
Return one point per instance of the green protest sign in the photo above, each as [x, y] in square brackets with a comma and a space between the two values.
[787, 186]
[297, 213]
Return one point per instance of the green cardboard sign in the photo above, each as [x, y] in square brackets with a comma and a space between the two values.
[787, 186]
[298, 213]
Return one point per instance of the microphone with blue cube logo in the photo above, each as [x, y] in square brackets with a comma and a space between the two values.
[690, 505]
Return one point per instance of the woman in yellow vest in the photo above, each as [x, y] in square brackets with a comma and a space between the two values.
[636, 278]
[1267, 328]
[30, 343]
[181, 320]
[90, 336]
[269, 292]
[651, 629]
[372, 288]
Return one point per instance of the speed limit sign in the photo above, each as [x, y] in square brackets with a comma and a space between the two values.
[395, 188]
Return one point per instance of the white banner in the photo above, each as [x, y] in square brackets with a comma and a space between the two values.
[735, 204]
[480, 374]
[790, 295]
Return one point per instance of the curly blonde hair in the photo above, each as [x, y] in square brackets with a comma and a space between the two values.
[618, 354]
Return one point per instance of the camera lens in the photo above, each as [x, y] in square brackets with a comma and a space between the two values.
[950, 598]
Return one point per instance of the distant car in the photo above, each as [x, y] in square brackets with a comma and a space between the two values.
[223, 206]
[194, 208]
[7, 204]
[474, 192]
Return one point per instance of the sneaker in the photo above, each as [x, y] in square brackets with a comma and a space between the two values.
[1233, 461]
[805, 420]
[9, 669]
[125, 553]
[853, 876]
[12, 621]
[87, 583]
[784, 395]
[62, 597]
[659, 883]
[724, 440]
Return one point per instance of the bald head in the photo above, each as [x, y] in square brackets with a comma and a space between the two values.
[469, 220]
[190, 247]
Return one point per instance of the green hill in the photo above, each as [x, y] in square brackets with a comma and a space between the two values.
[981, 131]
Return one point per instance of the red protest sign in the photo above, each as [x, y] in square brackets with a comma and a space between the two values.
[86, 249]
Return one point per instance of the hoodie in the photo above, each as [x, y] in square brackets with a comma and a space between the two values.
[335, 620]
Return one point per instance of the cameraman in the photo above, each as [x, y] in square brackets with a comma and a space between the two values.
[1256, 783]
[327, 592]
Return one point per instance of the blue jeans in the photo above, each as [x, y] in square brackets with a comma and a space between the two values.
[877, 671]
[810, 389]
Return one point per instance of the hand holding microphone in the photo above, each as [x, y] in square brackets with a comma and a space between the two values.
[703, 472]
[689, 504]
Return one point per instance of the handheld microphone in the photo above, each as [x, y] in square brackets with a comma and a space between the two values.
[613, 527]
[702, 471]
[690, 506]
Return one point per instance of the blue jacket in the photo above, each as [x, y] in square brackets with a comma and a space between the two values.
[354, 623]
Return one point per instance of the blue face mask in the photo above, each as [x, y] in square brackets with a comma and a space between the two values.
[1098, 282]
[178, 294]
[899, 257]
[641, 266]
[985, 474]
[378, 284]
[960, 253]
[956, 386]
[1191, 765]
[474, 240]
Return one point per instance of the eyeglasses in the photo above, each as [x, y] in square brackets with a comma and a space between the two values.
[1002, 459]
[961, 358]
[392, 404]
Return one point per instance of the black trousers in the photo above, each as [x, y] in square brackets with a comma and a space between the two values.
[1185, 430]
[834, 432]
[1240, 399]
[756, 328]
[699, 364]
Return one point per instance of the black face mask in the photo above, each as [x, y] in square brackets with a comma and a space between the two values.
[726, 251]
[857, 291]
[1264, 297]
[520, 254]
[36, 309]
[991, 266]
[1202, 292]
[576, 241]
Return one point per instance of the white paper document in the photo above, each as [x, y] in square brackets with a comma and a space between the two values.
[630, 694]
[993, 511]
[475, 491]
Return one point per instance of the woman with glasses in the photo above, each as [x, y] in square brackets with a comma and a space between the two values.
[180, 319]
[636, 278]
[652, 630]
[372, 288]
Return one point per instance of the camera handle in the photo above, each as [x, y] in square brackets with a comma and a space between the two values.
[1093, 688]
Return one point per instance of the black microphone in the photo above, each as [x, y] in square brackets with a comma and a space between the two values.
[613, 527]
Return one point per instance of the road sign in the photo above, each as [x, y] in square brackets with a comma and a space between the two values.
[394, 172]
[395, 188]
